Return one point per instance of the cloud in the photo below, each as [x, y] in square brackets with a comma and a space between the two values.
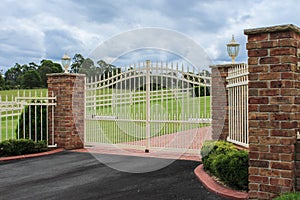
[34, 30]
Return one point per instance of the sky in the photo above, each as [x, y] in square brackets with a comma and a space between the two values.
[33, 30]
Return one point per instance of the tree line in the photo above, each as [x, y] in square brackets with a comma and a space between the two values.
[32, 75]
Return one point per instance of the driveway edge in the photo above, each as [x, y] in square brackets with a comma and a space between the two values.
[210, 184]
[32, 155]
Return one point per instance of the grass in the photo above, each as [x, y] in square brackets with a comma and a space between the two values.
[289, 196]
[131, 125]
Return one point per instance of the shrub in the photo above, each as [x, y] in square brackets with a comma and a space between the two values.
[232, 169]
[35, 116]
[14, 147]
[211, 149]
[201, 91]
[289, 196]
[227, 163]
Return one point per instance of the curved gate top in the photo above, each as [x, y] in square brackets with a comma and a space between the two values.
[149, 106]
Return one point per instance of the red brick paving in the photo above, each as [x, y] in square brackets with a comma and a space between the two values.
[213, 186]
[31, 155]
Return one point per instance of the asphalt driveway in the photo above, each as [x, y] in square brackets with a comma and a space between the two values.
[70, 175]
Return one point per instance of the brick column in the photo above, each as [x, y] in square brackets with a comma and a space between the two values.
[274, 116]
[219, 104]
[69, 90]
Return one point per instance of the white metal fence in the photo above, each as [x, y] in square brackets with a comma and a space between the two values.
[149, 105]
[238, 104]
[27, 115]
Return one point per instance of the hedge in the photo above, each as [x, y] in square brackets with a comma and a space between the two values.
[289, 196]
[14, 147]
[227, 163]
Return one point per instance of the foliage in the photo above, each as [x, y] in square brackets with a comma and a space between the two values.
[289, 196]
[226, 162]
[201, 91]
[35, 126]
[23, 146]
[31, 79]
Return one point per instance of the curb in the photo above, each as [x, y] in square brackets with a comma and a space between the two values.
[210, 184]
[31, 155]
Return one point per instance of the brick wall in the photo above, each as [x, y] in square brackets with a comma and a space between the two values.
[69, 112]
[219, 104]
[273, 109]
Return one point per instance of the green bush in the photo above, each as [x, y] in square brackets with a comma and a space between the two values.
[232, 169]
[14, 147]
[211, 149]
[289, 196]
[201, 91]
[226, 162]
[35, 116]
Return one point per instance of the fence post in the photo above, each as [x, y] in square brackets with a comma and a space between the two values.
[274, 106]
[219, 102]
[69, 112]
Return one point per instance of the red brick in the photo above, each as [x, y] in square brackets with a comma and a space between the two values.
[258, 37]
[258, 132]
[258, 147]
[289, 125]
[258, 84]
[258, 116]
[258, 179]
[268, 156]
[269, 140]
[288, 59]
[258, 68]
[252, 61]
[286, 157]
[269, 92]
[288, 43]
[253, 45]
[270, 188]
[259, 163]
[269, 76]
[282, 133]
[282, 165]
[269, 60]
[269, 172]
[287, 75]
[288, 92]
[257, 53]
[281, 68]
[281, 35]
[269, 44]
[286, 174]
[282, 149]
[258, 100]
[283, 51]
[281, 116]
[253, 186]
[253, 107]
[269, 108]
[281, 100]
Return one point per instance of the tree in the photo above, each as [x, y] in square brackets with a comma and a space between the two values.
[31, 79]
[13, 76]
[78, 59]
[88, 68]
[48, 67]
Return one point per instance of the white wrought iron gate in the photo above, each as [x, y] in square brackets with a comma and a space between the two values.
[149, 106]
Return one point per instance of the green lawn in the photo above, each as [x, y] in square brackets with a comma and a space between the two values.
[131, 129]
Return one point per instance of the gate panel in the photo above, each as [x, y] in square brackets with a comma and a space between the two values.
[149, 106]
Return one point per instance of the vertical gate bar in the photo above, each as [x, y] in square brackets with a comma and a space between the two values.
[147, 105]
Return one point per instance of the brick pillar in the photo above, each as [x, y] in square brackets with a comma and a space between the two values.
[69, 112]
[274, 101]
[219, 104]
